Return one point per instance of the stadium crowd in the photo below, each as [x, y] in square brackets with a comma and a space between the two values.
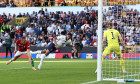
[44, 25]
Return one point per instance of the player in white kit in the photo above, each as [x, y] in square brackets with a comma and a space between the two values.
[58, 42]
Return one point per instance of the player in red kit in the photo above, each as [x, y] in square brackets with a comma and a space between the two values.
[24, 48]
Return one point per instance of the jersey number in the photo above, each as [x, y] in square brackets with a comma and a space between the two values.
[112, 35]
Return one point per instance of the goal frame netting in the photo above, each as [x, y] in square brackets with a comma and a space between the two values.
[99, 48]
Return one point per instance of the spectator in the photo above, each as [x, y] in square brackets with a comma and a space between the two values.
[7, 29]
[28, 29]
[39, 44]
[89, 41]
[10, 16]
[50, 28]
[78, 27]
[8, 45]
[18, 36]
[46, 2]
[41, 11]
[22, 28]
[130, 43]
[94, 43]
[63, 4]
[68, 27]
[84, 42]
[44, 44]
[19, 15]
[18, 26]
[19, 31]
[34, 43]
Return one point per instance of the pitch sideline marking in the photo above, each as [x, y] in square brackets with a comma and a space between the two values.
[90, 82]
[16, 68]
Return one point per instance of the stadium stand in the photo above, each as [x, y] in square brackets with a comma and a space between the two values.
[38, 3]
[44, 25]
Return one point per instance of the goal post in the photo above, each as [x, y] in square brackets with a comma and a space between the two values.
[125, 19]
[99, 51]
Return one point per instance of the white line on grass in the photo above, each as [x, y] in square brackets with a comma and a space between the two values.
[16, 68]
[127, 76]
[46, 61]
[90, 82]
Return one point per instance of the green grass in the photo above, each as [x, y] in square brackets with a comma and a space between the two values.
[54, 71]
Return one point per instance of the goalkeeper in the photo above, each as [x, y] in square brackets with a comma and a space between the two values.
[113, 37]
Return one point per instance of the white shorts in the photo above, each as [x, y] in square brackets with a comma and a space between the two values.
[19, 53]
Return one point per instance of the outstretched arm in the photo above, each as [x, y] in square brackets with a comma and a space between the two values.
[54, 40]
[121, 39]
[104, 40]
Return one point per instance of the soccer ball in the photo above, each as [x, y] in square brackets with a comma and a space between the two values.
[85, 27]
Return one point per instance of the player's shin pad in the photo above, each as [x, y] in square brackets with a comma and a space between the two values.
[32, 62]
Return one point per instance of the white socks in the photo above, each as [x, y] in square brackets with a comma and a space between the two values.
[36, 52]
[41, 61]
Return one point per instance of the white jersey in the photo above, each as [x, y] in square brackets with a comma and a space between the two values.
[61, 41]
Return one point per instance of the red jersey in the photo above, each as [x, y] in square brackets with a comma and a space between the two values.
[23, 47]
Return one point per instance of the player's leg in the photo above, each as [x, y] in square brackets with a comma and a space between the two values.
[122, 63]
[6, 52]
[32, 62]
[17, 55]
[38, 52]
[50, 49]
[10, 52]
[106, 52]
[119, 54]
[42, 58]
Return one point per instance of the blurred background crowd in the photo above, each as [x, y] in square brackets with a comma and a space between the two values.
[44, 25]
[38, 3]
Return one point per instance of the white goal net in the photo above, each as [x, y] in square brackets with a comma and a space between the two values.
[125, 17]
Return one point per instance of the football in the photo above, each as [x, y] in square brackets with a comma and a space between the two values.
[85, 27]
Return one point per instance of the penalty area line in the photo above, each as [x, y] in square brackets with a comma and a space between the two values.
[90, 82]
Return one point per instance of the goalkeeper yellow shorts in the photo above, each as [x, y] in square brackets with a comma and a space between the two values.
[113, 48]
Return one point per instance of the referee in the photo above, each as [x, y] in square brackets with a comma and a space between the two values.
[8, 45]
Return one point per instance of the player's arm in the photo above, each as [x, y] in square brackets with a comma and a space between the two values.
[54, 40]
[104, 41]
[121, 39]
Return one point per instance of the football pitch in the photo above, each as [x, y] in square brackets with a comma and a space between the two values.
[54, 71]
